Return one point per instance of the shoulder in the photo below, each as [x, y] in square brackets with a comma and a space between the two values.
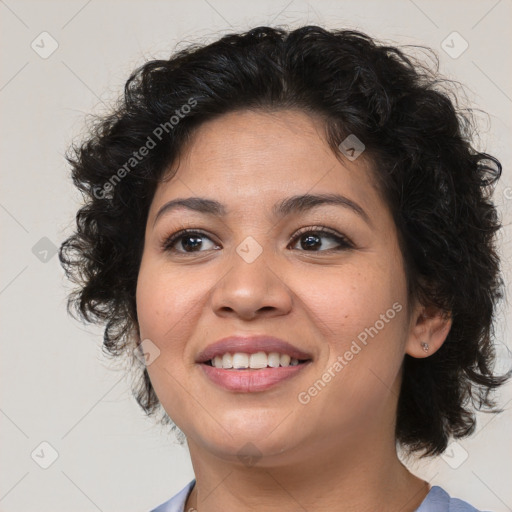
[177, 502]
[438, 500]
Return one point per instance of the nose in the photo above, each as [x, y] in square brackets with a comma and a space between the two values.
[251, 290]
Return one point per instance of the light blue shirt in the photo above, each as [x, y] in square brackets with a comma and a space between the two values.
[437, 500]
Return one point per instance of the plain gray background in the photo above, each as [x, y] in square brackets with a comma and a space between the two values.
[55, 385]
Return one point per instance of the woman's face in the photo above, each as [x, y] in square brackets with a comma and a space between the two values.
[257, 271]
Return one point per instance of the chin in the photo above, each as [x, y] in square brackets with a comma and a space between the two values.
[247, 443]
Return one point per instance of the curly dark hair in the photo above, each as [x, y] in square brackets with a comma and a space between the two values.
[437, 186]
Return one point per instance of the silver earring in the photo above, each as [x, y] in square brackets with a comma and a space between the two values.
[425, 346]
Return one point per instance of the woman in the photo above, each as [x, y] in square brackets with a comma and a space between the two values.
[293, 233]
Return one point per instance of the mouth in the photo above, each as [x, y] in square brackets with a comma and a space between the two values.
[251, 352]
[251, 364]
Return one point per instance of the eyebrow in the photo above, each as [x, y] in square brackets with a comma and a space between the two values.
[293, 204]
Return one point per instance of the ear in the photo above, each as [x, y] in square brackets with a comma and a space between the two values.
[429, 325]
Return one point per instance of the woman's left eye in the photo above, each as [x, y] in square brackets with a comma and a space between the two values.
[192, 241]
[314, 240]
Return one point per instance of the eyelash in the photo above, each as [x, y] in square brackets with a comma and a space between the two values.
[343, 242]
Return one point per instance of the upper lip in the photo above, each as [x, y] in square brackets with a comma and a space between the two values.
[250, 345]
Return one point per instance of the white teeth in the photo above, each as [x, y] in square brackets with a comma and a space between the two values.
[274, 359]
[284, 360]
[227, 361]
[258, 360]
[240, 360]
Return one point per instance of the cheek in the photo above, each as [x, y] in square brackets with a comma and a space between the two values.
[165, 300]
[361, 312]
[350, 299]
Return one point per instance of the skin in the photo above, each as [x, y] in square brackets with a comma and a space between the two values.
[336, 452]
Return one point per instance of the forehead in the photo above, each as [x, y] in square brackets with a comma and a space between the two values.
[255, 157]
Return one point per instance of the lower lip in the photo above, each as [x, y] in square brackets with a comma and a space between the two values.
[249, 381]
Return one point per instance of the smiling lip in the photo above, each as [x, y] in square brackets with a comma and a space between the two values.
[250, 345]
[251, 380]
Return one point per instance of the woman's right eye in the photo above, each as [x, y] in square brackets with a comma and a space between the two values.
[187, 239]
